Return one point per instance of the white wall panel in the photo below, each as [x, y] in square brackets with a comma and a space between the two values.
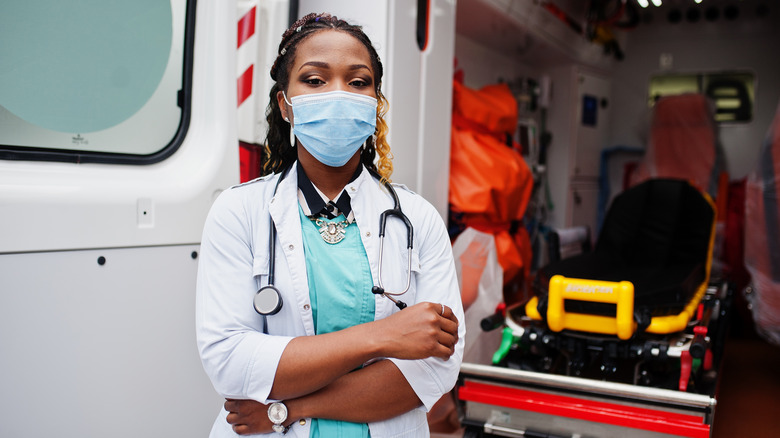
[92, 350]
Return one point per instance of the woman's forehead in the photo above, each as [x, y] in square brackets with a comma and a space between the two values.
[332, 47]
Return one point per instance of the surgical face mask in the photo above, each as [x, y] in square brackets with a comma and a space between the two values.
[332, 126]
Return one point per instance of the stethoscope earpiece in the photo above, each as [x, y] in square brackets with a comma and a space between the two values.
[378, 290]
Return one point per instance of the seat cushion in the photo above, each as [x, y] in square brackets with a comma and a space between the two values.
[657, 235]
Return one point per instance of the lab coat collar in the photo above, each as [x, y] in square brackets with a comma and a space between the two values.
[314, 202]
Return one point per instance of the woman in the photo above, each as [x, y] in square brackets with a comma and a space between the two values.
[336, 359]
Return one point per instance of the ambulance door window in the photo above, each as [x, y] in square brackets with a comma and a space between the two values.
[732, 93]
[94, 80]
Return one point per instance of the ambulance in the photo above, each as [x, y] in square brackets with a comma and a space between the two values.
[122, 121]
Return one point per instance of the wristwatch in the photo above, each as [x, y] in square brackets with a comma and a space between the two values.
[277, 413]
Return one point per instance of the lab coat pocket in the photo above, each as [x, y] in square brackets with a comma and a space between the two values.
[415, 269]
[260, 270]
[396, 271]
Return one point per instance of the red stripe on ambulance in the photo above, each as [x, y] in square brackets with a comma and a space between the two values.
[245, 84]
[246, 28]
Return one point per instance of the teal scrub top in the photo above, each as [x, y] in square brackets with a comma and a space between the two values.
[340, 291]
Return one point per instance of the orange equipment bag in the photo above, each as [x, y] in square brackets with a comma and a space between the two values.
[490, 183]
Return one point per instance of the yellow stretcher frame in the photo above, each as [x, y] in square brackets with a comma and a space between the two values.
[620, 293]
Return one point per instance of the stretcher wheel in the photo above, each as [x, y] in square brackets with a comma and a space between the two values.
[473, 432]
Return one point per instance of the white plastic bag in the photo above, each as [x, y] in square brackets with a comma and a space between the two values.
[481, 282]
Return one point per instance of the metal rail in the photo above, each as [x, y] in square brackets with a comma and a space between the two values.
[593, 387]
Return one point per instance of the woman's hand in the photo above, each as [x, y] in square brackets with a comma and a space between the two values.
[418, 332]
[248, 417]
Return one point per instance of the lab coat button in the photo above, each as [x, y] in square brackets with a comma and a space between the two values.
[302, 422]
[291, 247]
[305, 307]
[368, 233]
[352, 188]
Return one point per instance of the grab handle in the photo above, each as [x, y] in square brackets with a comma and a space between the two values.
[619, 293]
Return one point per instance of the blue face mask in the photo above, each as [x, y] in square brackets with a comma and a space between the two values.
[332, 126]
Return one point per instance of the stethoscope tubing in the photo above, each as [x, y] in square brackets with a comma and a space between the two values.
[379, 289]
[409, 236]
[261, 303]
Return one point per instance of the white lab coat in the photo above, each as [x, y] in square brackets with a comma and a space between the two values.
[241, 360]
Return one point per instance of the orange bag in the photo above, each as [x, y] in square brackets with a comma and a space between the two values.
[490, 183]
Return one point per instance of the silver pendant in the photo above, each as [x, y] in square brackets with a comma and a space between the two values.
[332, 232]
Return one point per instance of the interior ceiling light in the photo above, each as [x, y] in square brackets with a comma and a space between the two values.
[657, 2]
[643, 3]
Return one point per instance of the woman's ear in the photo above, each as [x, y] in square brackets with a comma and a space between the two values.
[283, 106]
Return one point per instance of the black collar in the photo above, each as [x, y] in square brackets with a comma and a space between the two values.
[319, 206]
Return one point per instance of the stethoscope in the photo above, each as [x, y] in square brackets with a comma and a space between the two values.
[268, 299]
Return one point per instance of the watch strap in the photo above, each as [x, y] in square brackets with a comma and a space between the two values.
[280, 428]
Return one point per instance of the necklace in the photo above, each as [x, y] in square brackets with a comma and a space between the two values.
[331, 232]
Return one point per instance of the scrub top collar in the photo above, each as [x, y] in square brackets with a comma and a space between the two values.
[315, 204]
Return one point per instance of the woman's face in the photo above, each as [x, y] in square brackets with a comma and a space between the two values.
[329, 60]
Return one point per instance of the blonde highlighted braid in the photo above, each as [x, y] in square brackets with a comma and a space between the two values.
[384, 165]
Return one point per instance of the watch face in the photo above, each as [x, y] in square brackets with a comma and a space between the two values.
[277, 412]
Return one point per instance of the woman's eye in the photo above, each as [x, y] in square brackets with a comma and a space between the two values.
[359, 83]
[314, 81]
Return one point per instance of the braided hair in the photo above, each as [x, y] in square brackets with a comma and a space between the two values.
[279, 152]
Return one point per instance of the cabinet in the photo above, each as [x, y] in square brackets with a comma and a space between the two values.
[579, 120]
[591, 124]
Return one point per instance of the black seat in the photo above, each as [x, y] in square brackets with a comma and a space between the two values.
[657, 235]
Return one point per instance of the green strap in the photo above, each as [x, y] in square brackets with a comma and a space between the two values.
[507, 340]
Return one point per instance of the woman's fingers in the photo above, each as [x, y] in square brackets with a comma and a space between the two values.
[447, 335]
[448, 340]
[246, 416]
[449, 324]
[448, 314]
[241, 429]
[420, 331]
[240, 410]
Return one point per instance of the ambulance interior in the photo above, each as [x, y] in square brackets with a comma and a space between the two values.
[608, 171]
[643, 188]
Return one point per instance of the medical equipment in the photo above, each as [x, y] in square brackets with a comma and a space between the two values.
[625, 340]
[268, 299]
[395, 211]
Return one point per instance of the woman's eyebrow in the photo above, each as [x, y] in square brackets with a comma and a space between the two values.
[322, 64]
[319, 64]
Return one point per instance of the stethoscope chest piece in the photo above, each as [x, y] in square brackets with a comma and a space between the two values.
[268, 300]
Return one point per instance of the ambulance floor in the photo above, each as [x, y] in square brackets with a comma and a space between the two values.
[749, 393]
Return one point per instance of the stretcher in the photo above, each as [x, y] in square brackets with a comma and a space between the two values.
[622, 341]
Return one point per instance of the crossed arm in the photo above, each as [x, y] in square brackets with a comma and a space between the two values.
[314, 378]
